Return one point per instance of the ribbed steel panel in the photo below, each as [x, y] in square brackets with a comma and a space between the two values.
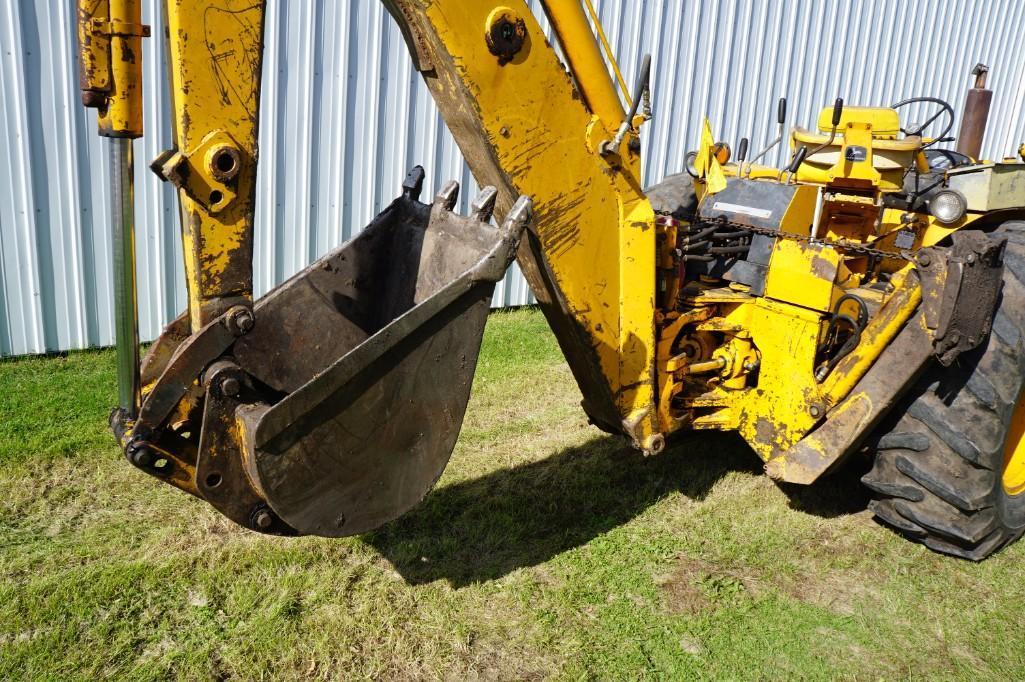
[344, 117]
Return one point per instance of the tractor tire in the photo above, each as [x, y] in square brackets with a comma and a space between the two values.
[938, 474]
[675, 196]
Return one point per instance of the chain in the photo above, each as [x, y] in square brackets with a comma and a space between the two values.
[848, 246]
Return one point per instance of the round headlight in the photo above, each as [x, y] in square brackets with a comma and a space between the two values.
[948, 206]
[691, 164]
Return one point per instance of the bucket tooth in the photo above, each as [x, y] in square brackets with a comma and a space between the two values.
[413, 185]
[483, 207]
[448, 196]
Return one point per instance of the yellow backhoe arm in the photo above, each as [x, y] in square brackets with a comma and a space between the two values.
[242, 404]
[528, 127]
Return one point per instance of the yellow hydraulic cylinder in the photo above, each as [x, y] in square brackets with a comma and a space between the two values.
[110, 38]
[585, 60]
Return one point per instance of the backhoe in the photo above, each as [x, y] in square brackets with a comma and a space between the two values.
[866, 299]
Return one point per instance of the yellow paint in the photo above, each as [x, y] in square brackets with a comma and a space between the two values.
[215, 49]
[777, 413]
[935, 232]
[884, 122]
[578, 44]
[708, 165]
[872, 129]
[802, 274]
[94, 46]
[1014, 452]
[527, 127]
[878, 335]
[110, 38]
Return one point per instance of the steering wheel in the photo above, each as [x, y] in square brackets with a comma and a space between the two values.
[944, 109]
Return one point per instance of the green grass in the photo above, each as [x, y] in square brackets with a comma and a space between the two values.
[547, 550]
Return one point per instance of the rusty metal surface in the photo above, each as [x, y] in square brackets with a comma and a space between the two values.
[334, 405]
[961, 287]
[163, 349]
[220, 475]
[379, 380]
[183, 370]
[975, 119]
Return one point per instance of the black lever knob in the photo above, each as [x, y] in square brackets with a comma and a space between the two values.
[798, 159]
[837, 111]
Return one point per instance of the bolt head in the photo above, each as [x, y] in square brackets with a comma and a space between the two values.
[230, 387]
[140, 455]
[264, 520]
[815, 411]
[242, 321]
[925, 260]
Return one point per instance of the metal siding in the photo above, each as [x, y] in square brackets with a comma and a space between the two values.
[344, 118]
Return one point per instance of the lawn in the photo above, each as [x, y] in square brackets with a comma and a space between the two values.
[547, 550]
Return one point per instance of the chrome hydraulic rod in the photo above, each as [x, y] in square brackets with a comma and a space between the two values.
[126, 321]
[110, 34]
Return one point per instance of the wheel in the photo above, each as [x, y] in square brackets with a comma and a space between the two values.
[949, 468]
[675, 196]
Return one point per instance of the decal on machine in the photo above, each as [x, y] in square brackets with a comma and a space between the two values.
[762, 213]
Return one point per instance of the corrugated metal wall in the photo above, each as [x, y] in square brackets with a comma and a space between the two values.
[345, 117]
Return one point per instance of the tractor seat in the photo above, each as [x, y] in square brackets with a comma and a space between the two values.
[890, 156]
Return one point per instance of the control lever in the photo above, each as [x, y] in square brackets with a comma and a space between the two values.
[781, 118]
[837, 115]
[641, 92]
[799, 158]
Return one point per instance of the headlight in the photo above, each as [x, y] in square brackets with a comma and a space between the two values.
[691, 164]
[948, 206]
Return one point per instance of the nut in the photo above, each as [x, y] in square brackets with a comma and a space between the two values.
[654, 444]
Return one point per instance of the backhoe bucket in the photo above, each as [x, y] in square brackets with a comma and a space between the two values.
[363, 363]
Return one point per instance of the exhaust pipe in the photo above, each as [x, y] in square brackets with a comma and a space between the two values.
[976, 115]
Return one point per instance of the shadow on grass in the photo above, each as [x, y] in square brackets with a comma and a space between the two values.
[483, 529]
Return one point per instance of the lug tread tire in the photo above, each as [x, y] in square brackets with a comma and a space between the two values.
[948, 478]
[937, 474]
[885, 512]
[885, 479]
